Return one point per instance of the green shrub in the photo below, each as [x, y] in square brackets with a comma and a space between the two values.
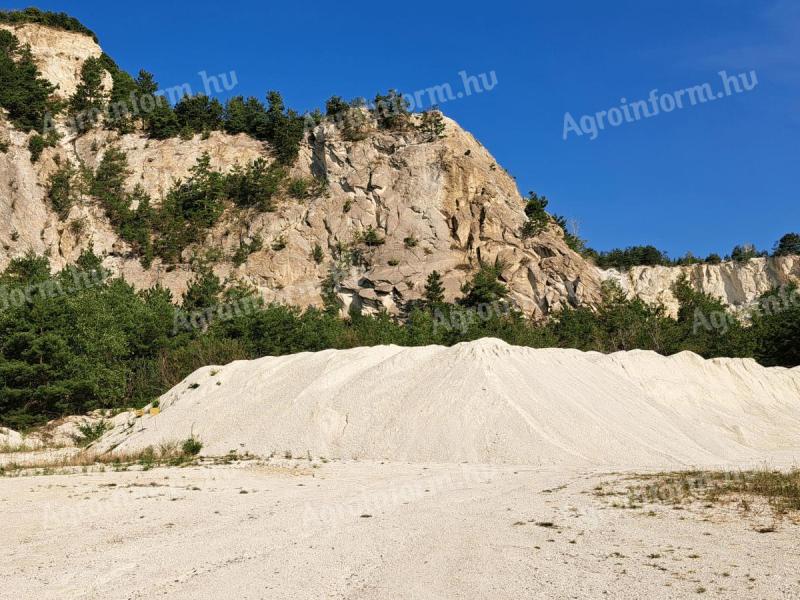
[246, 249]
[36, 146]
[391, 110]
[432, 125]
[191, 446]
[317, 254]
[91, 432]
[254, 185]
[371, 237]
[63, 189]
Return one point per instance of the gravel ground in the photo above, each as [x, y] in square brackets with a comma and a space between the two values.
[287, 529]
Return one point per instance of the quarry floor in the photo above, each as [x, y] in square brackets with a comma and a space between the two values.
[360, 530]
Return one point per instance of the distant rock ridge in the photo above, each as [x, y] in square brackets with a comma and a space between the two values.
[738, 285]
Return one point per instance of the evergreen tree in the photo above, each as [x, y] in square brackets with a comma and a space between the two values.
[776, 327]
[788, 244]
[161, 122]
[432, 124]
[24, 93]
[434, 290]
[538, 219]
[199, 113]
[203, 291]
[87, 103]
[485, 287]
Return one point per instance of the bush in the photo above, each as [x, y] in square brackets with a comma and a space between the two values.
[63, 189]
[191, 446]
[336, 106]
[317, 254]
[91, 432]
[432, 125]
[485, 286]
[371, 238]
[37, 144]
[246, 249]
[391, 110]
[254, 185]
[300, 188]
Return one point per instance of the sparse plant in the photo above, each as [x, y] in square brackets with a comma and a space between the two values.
[432, 124]
[279, 243]
[317, 254]
[90, 432]
[371, 238]
[191, 446]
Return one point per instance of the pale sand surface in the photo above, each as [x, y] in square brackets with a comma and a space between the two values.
[447, 514]
[435, 532]
[483, 402]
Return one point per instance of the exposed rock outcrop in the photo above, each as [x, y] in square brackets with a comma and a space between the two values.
[440, 205]
[58, 54]
[738, 285]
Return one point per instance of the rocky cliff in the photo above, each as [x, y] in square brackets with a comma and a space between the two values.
[440, 205]
[738, 285]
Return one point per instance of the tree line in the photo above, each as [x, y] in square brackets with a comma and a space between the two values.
[538, 219]
[75, 340]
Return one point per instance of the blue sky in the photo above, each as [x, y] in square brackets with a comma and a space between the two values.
[702, 178]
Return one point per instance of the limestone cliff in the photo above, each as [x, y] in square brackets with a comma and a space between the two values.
[440, 205]
[738, 285]
[58, 54]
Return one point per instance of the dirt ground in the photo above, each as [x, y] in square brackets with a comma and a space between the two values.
[360, 530]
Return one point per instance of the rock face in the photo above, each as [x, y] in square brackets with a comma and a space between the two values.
[440, 205]
[738, 285]
[58, 54]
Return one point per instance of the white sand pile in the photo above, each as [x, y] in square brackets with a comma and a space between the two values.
[485, 401]
[9, 438]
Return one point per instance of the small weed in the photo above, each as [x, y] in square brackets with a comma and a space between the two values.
[90, 432]
[410, 242]
[191, 446]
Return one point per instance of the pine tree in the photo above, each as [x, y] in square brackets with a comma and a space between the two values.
[89, 98]
[24, 93]
[434, 290]
[788, 244]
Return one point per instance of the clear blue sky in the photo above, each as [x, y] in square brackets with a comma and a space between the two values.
[702, 178]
